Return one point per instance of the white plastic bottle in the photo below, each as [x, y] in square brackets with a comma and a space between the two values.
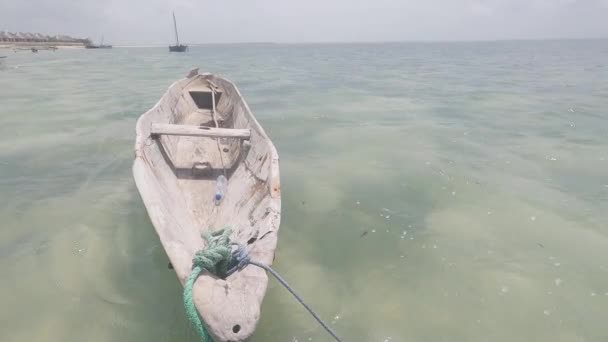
[221, 185]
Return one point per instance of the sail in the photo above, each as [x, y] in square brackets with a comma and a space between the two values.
[175, 27]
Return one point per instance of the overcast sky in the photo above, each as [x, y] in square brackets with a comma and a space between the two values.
[205, 21]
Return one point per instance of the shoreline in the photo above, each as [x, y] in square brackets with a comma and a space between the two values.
[45, 45]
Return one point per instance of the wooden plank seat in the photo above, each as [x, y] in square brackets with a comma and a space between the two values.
[199, 131]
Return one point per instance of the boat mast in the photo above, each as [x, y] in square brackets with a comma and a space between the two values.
[175, 26]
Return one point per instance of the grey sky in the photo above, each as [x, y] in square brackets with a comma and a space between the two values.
[205, 21]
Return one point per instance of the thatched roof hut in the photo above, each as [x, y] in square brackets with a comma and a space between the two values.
[40, 38]
[64, 38]
[20, 37]
[28, 37]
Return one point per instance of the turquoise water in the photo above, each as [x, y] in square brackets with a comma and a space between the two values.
[431, 191]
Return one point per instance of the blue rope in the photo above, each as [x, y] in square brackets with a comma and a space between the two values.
[241, 259]
[218, 258]
[298, 298]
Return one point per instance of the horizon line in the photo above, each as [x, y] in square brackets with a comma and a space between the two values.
[363, 42]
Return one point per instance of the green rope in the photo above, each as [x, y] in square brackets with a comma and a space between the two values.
[215, 258]
[218, 259]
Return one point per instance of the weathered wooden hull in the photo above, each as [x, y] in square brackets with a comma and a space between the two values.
[175, 176]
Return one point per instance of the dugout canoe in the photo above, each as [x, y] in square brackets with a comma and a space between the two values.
[202, 128]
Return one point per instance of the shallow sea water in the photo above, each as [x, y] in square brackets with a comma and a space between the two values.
[431, 191]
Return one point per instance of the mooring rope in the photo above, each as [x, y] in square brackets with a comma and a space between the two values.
[214, 258]
[219, 258]
[298, 298]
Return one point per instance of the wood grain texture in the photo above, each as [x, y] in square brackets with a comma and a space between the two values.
[175, 176]
[199, 131]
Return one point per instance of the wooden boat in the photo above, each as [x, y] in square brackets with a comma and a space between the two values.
[177, 47]
[202, 128]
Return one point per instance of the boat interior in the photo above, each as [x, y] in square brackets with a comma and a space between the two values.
[201, 129]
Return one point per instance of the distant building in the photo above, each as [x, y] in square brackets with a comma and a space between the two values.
[26, 37]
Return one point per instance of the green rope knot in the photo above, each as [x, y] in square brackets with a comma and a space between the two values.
[215, 258]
